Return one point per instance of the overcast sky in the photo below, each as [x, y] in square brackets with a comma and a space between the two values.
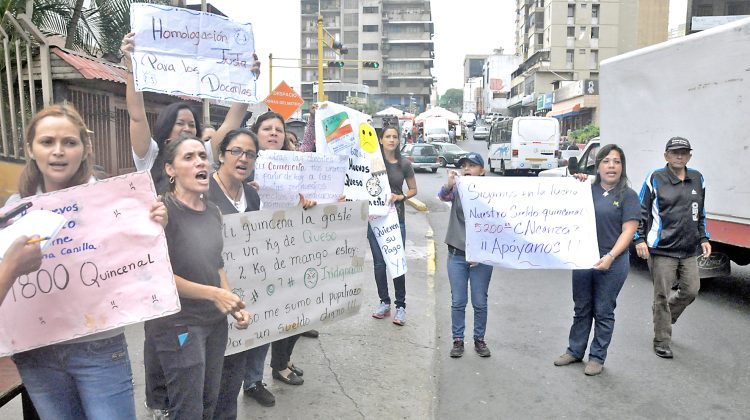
[461, 27]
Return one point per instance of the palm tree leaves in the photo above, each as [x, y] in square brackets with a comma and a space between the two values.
[98, 29]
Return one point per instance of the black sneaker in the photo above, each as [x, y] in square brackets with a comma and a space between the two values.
[261, 394]
[481, 347]
[458, 348]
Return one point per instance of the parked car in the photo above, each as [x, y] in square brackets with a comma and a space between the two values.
[482, 132]
[448, 154]
[422, 156]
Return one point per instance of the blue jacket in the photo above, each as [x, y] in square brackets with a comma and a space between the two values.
[673, 218]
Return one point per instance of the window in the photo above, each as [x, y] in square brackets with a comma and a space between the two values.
[584, 5]
[351, 38]
[571, 31]
[705, 10]
[370, 82]
[369, 47]
[539, 39]
[372, 9]
[594, 10]
[571, 10]
[582, 32]
[569, 57]
[582, 51]
[351, 4]
[370, 28]
[351, 19]
[594, 59]
[738, 8]
[594, 32]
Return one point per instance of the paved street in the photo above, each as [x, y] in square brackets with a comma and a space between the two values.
[372, 369]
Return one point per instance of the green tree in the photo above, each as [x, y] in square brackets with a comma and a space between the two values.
[452, 99]
[584, 134]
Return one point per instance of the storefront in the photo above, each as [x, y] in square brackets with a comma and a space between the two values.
[576, 105]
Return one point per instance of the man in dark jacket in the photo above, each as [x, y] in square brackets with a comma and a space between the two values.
[671, 234]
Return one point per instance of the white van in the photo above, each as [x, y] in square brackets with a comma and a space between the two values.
[524, 145]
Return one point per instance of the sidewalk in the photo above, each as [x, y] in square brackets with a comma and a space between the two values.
[360, 367]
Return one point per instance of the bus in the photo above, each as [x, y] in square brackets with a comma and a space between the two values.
[524, 145]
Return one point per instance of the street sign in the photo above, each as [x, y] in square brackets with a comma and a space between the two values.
[284, 100]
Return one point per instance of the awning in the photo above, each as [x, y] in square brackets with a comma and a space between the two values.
[564, 112]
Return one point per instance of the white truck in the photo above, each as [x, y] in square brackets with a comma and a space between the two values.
[436, 129]
[697, 87]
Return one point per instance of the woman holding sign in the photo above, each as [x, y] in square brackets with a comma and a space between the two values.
[190, 344]
[399, 171]
[177, 118]
[617, 210]
[237, 153]
[87, 377]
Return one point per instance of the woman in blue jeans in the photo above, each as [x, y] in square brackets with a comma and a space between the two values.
[88, 377]
[463, 274]
[399, 170]
[617, 210]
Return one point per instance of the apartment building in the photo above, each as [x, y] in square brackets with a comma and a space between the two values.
[396, 34]
[560, 42]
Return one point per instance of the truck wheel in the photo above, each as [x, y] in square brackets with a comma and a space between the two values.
[442, 162]
[502, 168]
[717, 265]
[434, 170]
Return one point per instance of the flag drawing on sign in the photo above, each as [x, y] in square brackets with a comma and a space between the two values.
[339, 133]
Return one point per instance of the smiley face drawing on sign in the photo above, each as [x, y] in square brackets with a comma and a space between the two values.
[241, 38]
[368, 141]
[373, 186]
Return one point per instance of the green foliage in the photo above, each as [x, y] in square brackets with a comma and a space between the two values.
[582, 135]
[453, 100]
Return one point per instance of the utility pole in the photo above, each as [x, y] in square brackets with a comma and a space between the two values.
[321, 94]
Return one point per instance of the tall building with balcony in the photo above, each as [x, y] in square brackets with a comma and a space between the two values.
[563, 41]
[396, 34]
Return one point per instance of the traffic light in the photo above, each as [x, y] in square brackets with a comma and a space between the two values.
[336, 64]
[371, 64]
[340, 48]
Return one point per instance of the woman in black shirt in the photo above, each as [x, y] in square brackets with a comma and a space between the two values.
[190, 344]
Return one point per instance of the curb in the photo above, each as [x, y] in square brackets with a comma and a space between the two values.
[430, 252]
[417, 204]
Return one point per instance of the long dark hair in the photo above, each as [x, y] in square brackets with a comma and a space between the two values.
[600, 155]
[170, 154]
[397, 152]
[269, 116]
[163, 128]
[31, 177]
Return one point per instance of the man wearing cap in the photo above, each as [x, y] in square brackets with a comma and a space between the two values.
[462, 274]
[671, 234]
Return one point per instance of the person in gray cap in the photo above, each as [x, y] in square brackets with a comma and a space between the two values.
[463, 274]
[671, 234]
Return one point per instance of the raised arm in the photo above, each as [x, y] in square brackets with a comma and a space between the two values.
[140, 132]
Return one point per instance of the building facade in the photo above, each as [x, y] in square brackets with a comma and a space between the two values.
[496, 76]
[705, 14]
[395, 34]
[564, 40]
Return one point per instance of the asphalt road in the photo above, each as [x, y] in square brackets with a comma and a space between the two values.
[366, 368]
[530, 315]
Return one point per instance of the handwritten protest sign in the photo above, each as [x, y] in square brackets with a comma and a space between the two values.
[295, 269]
[343, 131]
[184, 52]
[284, 175]
[529, 222]
[107, 268]
[388, 234]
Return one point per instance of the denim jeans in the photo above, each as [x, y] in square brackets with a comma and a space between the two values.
[381, 275]
[92, 379]
[595, 298]
[462, 277]
[668, 306]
